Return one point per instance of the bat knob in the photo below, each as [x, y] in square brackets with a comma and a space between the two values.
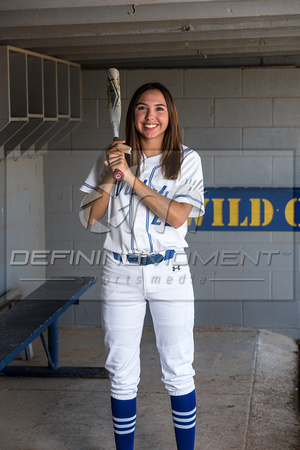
[118, 175]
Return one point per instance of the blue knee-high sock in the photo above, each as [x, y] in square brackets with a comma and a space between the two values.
[124, 417]
[184, 418]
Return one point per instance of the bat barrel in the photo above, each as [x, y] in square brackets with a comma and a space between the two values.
[114, 107]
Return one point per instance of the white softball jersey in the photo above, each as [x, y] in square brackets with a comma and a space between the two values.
[133, 227]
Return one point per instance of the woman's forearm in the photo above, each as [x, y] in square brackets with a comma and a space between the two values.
[96, 202]
[166, 209]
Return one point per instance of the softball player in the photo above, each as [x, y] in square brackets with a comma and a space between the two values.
[147, 220]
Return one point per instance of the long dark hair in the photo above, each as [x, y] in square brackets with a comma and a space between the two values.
[171, 158]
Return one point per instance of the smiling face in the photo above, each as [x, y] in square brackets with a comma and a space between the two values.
[151, 118]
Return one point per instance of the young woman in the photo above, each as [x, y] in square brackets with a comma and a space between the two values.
[147, 221]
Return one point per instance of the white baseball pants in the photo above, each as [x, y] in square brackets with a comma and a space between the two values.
[125, 290]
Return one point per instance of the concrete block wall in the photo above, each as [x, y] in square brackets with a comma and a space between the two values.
[22, 222]
[244, 122]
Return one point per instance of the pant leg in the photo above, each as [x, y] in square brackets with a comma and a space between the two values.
[171, 302]
[123, 312]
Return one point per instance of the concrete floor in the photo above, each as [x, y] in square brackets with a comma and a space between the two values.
[246, 384]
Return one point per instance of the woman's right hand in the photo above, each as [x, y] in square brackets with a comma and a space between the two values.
[112, 150]
[116, 158]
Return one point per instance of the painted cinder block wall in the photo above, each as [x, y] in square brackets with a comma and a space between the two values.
[244, 122]
[22, 222]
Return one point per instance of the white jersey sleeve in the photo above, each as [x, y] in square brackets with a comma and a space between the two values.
[96, 174]
[190, 187]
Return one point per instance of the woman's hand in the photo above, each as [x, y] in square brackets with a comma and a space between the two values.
[116, 160]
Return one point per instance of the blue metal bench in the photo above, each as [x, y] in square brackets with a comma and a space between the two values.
[30, 317]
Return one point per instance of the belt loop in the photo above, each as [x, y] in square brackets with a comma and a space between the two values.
[117, 257]
[169, 254]
[121, 258]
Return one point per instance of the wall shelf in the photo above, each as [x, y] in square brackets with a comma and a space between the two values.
[40, 100]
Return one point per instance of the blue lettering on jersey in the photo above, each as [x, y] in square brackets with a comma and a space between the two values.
[155, 221]
[119, 188]
[128, 190]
